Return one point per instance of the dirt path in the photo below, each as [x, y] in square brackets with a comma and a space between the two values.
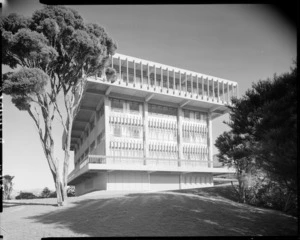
[147, 214]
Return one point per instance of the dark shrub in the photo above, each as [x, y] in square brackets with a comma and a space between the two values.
[26, 195]
[71, 191]
[53, 194]
[45, 193]
[110, 74]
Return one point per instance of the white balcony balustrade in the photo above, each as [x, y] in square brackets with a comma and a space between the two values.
[142, 74]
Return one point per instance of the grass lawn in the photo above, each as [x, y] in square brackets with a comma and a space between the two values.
[196, 212]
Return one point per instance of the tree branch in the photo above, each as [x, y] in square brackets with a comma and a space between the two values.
[60, 115]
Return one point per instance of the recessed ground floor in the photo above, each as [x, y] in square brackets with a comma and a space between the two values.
[142, 181]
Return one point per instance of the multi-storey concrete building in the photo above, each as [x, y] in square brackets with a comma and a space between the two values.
[147, 128]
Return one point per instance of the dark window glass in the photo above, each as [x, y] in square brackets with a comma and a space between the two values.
[186, 113]
[117, 104]
[134, 106]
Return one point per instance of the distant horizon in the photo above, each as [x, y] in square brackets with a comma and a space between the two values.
[239, 42]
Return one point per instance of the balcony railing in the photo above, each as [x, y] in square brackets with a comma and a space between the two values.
[138, 161]
[217, 95]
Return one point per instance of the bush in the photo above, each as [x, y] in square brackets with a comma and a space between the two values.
[71, 191]
[26, 195]
[271, 195]
[45, 193]
[52, 194]
[111, 74]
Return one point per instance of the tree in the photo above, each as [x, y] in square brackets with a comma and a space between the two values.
[26, 195]
[45, 193]
[7, 186]
[265, 121]
[56, 51]
[234, 150]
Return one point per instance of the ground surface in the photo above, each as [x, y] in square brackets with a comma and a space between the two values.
[199, 212]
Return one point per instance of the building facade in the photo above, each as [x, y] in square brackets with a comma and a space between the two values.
[148, 127]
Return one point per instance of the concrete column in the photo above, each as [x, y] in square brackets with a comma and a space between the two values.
[127, 76]
[154, 77]
[202, 83]
[148, 75]
[207, 89]
[168, 80]
[162, 78]
[174, 82]
[227, 92]
[223, 95]
[218, 90]
[179, 82]
[192, 83]
[142, 80]
[209, 140]
[197, 79]
[106, 125]
[213, 90]
[120, 65]
[179, 134]
[145, 131]
[186, 84]
[134, 73]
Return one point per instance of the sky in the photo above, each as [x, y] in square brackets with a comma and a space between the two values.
[242, 43]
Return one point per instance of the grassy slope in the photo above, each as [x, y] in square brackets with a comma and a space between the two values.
[205, 212]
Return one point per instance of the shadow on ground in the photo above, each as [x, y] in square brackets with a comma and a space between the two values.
[226, 192]
[16, 204]
[167, 214]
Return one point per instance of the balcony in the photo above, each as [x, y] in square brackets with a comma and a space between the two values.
[94, 163]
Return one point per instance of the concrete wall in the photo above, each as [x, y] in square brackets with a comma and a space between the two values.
[199, 180]
[127, 180]
[143, 181]
[164, 181]
[93, 184]
[171, 181]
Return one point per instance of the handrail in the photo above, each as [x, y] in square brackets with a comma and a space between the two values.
[121, 82]
[144, 161]
[141, 161]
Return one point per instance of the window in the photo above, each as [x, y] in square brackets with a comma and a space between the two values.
[134, 106]
[156, 109]
[192, 115]
[186, 113]
[117, 131]
[117, 105]
[135, 132]
[197, 115]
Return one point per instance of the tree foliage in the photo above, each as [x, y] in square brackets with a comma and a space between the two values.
[45, 193]
[264, 131]
[54, 51]
[26, 195]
